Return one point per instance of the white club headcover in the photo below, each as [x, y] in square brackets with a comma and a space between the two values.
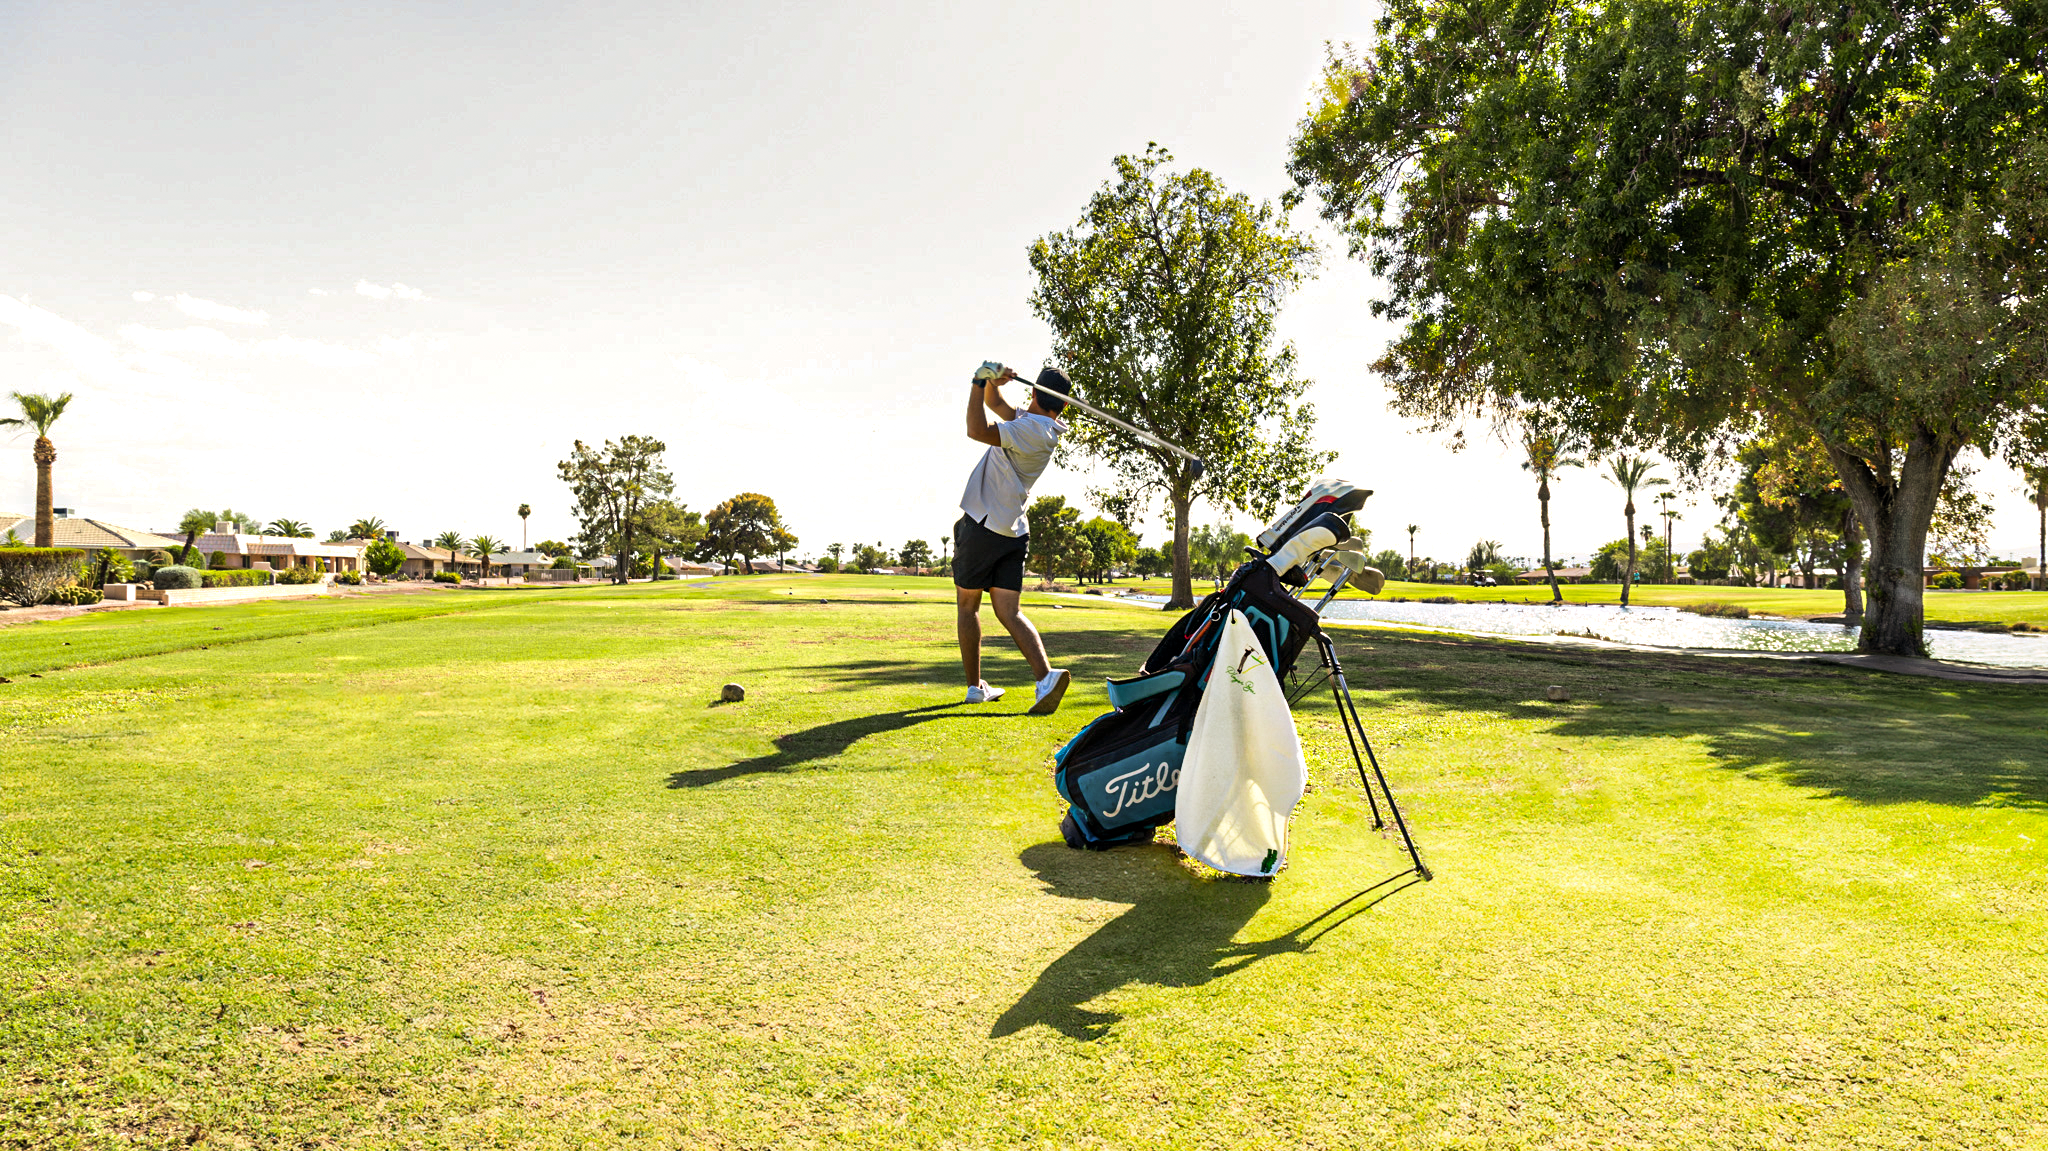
[1369, 580]
[1299, 548]
[1243, 772]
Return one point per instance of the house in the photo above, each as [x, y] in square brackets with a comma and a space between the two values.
[519, 563]
[75, 531]
[240, 550]
[422, 561]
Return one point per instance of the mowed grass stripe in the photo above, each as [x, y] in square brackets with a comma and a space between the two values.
[523, 883]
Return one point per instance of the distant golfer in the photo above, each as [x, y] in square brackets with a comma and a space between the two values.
[991, 539]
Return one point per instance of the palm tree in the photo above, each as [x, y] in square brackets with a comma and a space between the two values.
[452, 542]
[1669, 574]
[485, 546]
[291, 529]
[1631, 473]
[1412, 529]
[1544, 458]
[367, 528]
[524, 511]
[39, 412]
[195, 523]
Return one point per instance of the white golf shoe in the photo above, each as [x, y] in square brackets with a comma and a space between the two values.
[1051, 690]
[983, 693]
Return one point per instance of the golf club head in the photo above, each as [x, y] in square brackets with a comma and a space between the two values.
[1369, 580]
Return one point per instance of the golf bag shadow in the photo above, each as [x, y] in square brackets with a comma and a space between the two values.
[1119, 775]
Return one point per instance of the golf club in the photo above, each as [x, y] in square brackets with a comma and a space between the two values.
[1091, 409]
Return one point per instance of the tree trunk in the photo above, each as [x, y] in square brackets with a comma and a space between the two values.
[1543, 499]
[1183, 597]
[1896, 512]
[623, 569]
[1628, 577]
[1852, 570]
[46, 520]
[1806, 561]
[2041, 501]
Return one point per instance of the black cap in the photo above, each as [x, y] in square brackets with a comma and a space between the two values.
[1053, 380]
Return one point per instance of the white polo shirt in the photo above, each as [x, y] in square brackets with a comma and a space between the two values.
[1001, 483]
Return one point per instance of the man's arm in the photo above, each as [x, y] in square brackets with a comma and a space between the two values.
[981, 398]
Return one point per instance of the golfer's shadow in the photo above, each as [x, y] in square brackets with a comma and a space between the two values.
[1178, 933]
[798, 748]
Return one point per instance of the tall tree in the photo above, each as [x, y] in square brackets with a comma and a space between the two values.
[39, 412]
[916, 554]
[1543, 456]
[743, 527]
[1631, 474]
[524, 511]
[365, 528]
[1162, 302]
[291, 529]
[1673, 221]
[1412, 529]
[612, 484]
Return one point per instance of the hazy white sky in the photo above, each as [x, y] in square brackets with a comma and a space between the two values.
[326, 261]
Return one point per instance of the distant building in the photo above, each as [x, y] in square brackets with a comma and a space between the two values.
[240, 550]
[75, 531]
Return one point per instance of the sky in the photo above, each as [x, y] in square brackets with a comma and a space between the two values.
[333, 261]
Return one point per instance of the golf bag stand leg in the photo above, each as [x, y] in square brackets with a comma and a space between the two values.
[1347, 714]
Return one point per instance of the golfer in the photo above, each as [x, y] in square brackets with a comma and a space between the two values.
[991, 539]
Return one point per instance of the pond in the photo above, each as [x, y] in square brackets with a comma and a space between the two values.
[1670, 628]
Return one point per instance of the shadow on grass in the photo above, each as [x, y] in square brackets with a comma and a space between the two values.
[1177, 933]
[1861, 735]
[798, 748]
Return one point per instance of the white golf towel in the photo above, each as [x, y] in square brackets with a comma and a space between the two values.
[1243, 772]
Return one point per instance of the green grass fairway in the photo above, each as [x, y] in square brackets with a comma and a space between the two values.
[491, 869]
[1941, 606]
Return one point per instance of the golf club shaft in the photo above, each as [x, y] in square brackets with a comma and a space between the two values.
[1141, 433]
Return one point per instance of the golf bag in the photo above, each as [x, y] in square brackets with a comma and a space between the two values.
[1119, 774]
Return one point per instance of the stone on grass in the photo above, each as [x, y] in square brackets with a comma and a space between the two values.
[731, 693]
[1556, 693]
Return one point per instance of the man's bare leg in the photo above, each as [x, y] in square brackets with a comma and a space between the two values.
[1005, 602]
[967, 623]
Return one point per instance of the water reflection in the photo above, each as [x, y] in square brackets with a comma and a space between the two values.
[1671, 628]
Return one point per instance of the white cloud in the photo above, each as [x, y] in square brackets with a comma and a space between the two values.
[200, 309]
[144, 297]
[190, 341]
[318, 292]
[380, 292]
[320, 355]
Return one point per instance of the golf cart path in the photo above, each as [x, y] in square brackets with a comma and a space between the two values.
[1895, 664]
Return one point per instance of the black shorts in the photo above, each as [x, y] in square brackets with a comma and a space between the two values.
[985, 559]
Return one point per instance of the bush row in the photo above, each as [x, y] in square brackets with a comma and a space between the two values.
[31, 576]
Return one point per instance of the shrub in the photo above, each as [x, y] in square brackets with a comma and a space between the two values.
[299, 575]
[1717, 610]
[563, 562]
[117, 568]
[218, 559]
[384, 557]
[143, 570]
[1947, 581]
[447, 577]
[349, 578]
[74, 594]
[176, 577]
[29, 576]
[234, 577]
[159, 558]
[2016, 581]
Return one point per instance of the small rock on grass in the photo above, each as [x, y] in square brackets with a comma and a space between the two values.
[1556, 693]
[732, 693]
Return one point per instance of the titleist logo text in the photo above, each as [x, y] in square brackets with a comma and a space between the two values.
[1135, 787]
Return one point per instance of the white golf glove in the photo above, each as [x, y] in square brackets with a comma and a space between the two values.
[988, 370]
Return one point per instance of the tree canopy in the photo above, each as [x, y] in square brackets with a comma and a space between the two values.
[745, 526]
[1162, 302]
[1674, 223]
[612, 484]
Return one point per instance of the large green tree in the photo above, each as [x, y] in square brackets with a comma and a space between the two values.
[1162, 302]
[745, 526]
[612, 484]
[39, 412]
[1677, 222]
[671, 529]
